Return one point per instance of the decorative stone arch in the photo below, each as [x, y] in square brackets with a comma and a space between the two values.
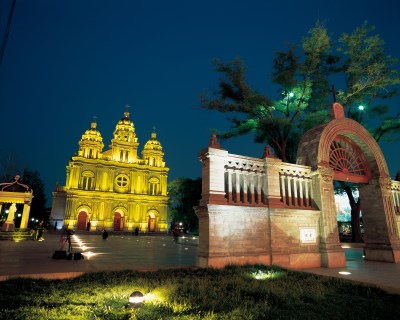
[119, 218]
[83, 214]
[152, 219]
[382, 241]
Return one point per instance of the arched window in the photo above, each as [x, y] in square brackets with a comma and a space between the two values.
[87, 181]
[124, 155]
[153, 187]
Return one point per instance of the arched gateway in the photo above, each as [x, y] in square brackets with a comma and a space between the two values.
[267, 211]
[342, 149]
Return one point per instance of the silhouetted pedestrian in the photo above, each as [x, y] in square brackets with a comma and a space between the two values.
[105, 234]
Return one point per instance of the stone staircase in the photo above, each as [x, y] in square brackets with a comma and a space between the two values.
[18, 234]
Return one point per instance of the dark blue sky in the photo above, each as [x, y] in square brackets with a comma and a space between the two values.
[67, 61]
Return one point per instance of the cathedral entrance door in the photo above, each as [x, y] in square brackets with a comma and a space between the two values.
[117, 221]
[152, 222]
[82, 217]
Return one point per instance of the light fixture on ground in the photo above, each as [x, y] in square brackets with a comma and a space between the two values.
[136, 299]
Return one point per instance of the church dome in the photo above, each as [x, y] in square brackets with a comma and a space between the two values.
[153, 143]
[91, 144]
[125, 130]
[92, 134]
[152, 152]
[124, 145]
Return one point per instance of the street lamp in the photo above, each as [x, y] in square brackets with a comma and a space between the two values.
[361, 109]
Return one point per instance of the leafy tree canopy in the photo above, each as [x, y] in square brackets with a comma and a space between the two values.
[305, 77]
[185, 194]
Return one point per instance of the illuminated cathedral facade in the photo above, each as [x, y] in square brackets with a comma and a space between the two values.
[116, 189]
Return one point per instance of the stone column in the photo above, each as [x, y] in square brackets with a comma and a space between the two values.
[76, 176]
[9, 225]
[164, 184]
[252, 186]
[229, 183]
[111, 180]
[25, 215]
[307, 194]
[259, 185]
[332, 254]
[245, 186]
[283, 187]
[237, 189]
[301, 192]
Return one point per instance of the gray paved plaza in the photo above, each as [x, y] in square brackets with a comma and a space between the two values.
[146, 252]
[118, 252]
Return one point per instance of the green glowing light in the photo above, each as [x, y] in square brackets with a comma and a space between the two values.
[262, 275]
[361, 108]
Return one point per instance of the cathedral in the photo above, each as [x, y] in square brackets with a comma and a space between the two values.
[115, 189]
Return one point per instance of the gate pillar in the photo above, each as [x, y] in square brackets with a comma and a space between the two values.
[332, 254]
[382, 237]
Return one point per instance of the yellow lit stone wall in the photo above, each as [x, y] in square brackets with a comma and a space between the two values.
[115, 189]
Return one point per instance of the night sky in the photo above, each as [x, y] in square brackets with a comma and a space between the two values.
[69, 60]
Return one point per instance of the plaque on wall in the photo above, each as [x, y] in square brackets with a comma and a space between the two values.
[308, 235]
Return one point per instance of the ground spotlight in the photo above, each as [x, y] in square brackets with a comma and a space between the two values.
[136, 299]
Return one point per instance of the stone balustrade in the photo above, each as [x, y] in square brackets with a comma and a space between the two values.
[296, 185]
[246, 181]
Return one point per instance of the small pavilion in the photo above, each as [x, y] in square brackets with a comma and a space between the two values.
[15, 193]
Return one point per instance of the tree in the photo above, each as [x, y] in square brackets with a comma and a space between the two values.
[370, 80]
[349, 189]
[38, 206]
[185, 194]
[300, 85]
[364, 76]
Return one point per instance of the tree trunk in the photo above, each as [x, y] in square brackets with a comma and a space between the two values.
[356, 235]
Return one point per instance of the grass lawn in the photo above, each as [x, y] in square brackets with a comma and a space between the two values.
[248, 292]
